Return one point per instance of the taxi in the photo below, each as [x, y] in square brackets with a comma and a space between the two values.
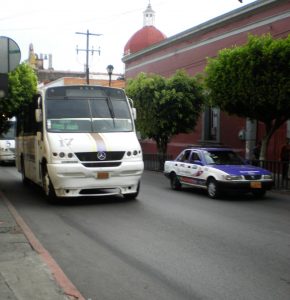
[217, 170]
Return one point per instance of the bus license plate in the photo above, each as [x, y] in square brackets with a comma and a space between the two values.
[102, 175]
[256, 185]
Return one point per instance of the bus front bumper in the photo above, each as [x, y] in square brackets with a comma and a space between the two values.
[75, 180]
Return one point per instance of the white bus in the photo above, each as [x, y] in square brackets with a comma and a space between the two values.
[7, 143]
[80, 141]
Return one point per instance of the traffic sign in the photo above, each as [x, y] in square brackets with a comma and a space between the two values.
[9, 55]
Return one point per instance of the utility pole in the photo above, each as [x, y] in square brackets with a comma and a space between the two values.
[87, 51]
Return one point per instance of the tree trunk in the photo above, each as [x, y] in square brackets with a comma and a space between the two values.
[271, 128]
[162, 151]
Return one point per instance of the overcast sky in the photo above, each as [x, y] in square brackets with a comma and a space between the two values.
[51, 26]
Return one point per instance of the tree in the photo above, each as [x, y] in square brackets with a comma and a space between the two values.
[252, 81]
[166, 107]
[22, 86]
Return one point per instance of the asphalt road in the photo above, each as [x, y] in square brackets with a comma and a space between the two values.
[166, 245]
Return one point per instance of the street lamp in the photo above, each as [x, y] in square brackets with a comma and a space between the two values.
[110, 69]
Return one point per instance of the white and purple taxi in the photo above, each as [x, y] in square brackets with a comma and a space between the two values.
[217, 170]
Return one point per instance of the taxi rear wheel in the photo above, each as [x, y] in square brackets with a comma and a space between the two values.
[212, 189]
[174, 182]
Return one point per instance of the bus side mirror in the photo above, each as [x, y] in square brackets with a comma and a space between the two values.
[134, 113]
[38, 115]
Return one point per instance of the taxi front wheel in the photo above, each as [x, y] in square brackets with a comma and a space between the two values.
[212, 188]
[259, 193]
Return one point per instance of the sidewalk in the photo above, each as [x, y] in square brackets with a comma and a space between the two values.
[27, 271]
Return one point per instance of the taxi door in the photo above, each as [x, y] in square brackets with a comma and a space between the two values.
[196, 169]
[188, 168]
[183, 164]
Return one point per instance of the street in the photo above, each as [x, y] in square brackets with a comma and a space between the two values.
[165, 245]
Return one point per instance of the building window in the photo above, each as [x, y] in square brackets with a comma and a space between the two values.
[211, 121]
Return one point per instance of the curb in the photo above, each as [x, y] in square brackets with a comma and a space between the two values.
[62, 280]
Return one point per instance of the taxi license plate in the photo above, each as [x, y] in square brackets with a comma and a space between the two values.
[256, 185]
[102, 175]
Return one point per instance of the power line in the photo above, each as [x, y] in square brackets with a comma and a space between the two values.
[87, 50]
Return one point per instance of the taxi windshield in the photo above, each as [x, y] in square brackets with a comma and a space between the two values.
[226, 157]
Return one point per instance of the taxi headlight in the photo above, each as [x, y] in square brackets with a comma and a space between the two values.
[233, 177]
[269, 177]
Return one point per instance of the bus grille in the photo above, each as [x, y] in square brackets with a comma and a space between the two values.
[93, 156]
[101, 164]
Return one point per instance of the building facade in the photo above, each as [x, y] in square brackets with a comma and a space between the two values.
[190, 49]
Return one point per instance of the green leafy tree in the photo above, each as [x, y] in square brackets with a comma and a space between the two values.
[22, 86]
[166, 107]
[252, 81]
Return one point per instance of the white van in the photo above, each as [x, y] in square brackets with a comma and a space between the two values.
[7, 143]
[80, 141]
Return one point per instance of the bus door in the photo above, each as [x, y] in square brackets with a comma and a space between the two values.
[39, 145]
[32, 145]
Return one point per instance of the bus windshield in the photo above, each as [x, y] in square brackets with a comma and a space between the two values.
[78, 114]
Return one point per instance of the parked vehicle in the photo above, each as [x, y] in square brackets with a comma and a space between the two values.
[7, 144]
[217, 170]
[78, 141]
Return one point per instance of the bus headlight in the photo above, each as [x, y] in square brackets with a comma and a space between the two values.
[64, 158]
[134, 153]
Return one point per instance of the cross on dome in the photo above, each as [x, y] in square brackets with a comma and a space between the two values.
[149, 16]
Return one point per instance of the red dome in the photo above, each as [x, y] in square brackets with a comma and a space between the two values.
[143, 38]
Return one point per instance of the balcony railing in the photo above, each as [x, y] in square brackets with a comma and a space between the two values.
[155, 162]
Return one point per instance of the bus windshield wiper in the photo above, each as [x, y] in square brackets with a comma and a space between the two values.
[112, 113]
[110, 108]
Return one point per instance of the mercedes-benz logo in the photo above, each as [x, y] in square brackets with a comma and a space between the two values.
[101, 155]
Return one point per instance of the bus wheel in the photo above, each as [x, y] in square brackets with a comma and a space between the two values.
[132, 196]
[24, 179]
[48, 186]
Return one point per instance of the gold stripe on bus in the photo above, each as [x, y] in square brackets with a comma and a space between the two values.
[101, 146]
[92, 143]
[107, 145]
